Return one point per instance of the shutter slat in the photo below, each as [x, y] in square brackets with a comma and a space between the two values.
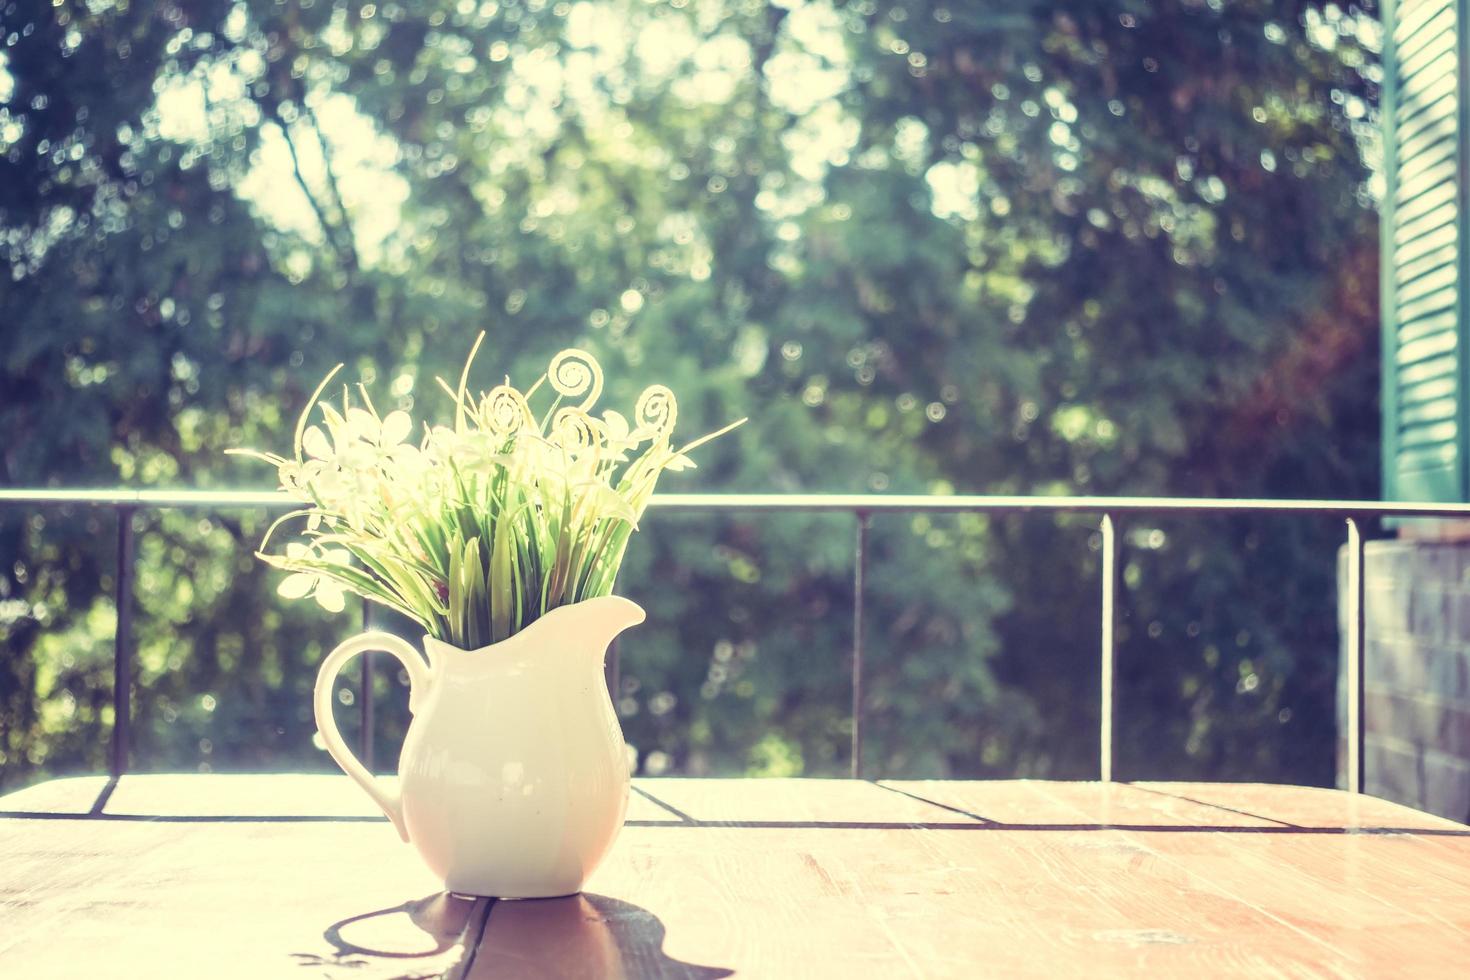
[1411, 330]
[1442, 278]
[1427, 178]
[1426, 243]
[1424, 224]
[1435, 302]
[1430, 157]
[1427, 412]
[1409, 271]
[1427, 435]
[1431, 27]
[1428, 75]
[1411, 16]
[1433, 345]
[1425, 461]
[1440, 367]
[1426, 59]
[1441, 193]
[1445, 127]
[1434, 103]
[1428, 391]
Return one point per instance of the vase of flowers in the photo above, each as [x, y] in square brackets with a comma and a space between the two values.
[501, 536]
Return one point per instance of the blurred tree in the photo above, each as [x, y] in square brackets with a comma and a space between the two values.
[1014, 247]
[1197, 314]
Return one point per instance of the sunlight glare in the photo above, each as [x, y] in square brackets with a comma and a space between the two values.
[956, 190]
[363, 159]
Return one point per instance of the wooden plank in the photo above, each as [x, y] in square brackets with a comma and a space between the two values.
[1021, 804]
[1315, 807]
[77, 794]
[243, 796]
[238, 795]
[1381, 891]
[1318, 864]
[157, 899]
[1309, 805]
[190, 892]
[790, 802]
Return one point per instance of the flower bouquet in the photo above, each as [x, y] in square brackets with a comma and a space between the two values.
[501, 536]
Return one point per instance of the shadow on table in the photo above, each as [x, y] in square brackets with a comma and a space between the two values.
[577, 936]
[429, 926]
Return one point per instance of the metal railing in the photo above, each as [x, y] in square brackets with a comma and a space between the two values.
[862, 507]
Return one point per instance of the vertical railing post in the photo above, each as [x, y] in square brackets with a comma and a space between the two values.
[122, 644]
[1109, 646]
[859, 575]
[366, 708]
[1356, 634]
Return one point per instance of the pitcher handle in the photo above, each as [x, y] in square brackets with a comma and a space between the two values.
[389, 800]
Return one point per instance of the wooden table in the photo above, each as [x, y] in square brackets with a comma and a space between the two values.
[296, 876]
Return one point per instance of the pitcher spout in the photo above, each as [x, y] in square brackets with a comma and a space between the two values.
[605, 617]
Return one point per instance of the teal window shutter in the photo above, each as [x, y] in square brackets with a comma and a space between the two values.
[1423, 258]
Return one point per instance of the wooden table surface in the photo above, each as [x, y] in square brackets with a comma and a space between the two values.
[296, 876]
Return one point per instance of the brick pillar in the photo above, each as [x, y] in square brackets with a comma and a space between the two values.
[1417, 674]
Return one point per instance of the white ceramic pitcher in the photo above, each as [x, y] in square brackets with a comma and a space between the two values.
[513, 779]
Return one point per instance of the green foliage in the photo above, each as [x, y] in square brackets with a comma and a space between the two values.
[1015, 247]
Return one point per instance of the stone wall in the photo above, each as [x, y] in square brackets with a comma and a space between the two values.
[1417, 671]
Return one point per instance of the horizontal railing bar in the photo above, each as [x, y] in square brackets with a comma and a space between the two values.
[871, 503]
[148, 498]
[905, 503]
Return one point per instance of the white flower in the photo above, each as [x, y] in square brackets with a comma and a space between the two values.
[316, 444]
[396, 428]
[327, 592]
